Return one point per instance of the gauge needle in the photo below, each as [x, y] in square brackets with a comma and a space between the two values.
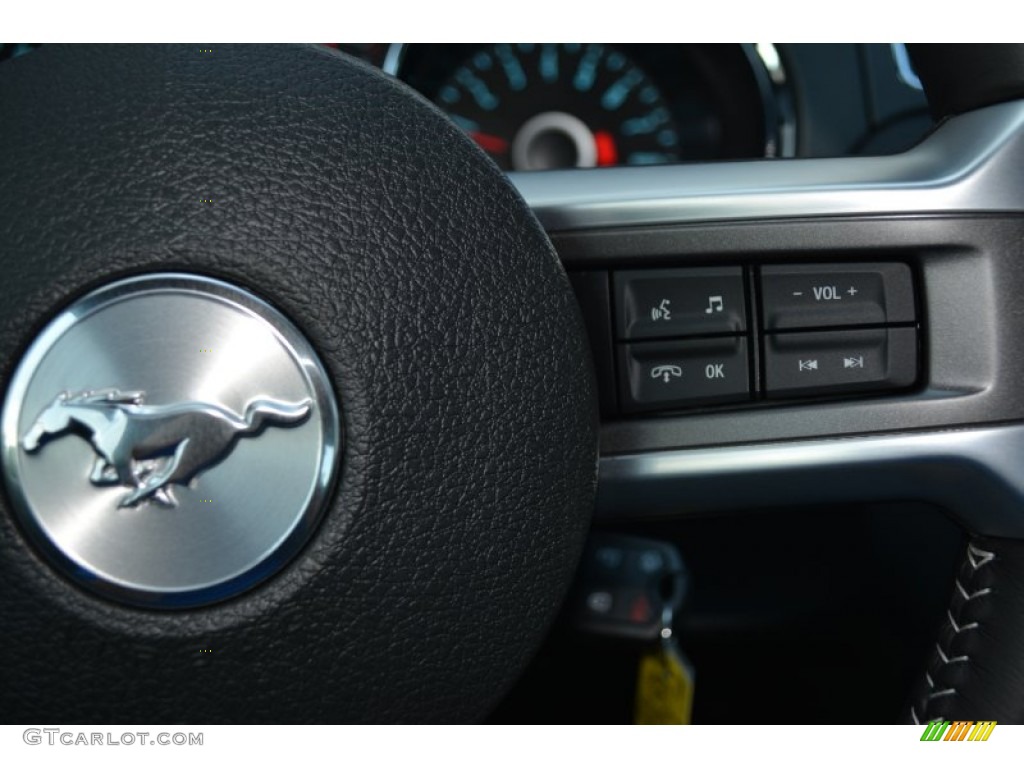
[489, 142]
[607, 154]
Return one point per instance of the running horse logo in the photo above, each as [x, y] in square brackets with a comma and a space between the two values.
[148, 447]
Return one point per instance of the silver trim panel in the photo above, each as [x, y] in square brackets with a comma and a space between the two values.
[393, 59]
[776, 99]
[976, 475]
[904, 68]
[969, 164]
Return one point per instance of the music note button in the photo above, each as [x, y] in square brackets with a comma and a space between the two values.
[679, 303]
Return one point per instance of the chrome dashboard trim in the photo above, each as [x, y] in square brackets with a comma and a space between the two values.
[971, 163]
[974, 474]
[776, 99]
[904, 68]
[393, 59]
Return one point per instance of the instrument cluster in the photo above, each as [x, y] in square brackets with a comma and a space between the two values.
[545, 106]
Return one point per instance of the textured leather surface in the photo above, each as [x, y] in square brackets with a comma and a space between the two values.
[439, 310]
[976, 671]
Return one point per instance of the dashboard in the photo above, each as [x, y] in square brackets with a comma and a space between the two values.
[550, 106]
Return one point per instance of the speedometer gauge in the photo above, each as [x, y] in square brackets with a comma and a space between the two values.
[545, 106]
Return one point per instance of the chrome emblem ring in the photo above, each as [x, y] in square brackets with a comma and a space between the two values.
[169, 440]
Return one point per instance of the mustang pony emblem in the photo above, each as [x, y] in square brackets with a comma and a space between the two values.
[148, 447]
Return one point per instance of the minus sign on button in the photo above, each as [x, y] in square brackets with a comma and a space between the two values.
[798, 293]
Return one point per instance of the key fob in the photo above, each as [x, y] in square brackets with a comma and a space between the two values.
[627, 586]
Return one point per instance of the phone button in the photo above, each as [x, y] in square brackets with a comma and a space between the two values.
[666, 303]
[660, 375]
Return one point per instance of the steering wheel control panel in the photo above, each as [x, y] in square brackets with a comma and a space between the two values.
[706, 336]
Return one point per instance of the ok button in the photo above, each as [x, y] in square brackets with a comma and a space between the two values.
[661, 375]
[714, 371]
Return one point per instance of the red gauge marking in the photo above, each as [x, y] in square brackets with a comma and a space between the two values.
[489, 142]
[607, 154]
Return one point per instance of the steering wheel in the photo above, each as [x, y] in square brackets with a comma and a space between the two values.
[301, 421]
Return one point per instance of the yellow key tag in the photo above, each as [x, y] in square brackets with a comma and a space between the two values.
[664, 687]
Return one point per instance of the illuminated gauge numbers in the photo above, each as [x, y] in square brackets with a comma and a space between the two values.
[546, 106]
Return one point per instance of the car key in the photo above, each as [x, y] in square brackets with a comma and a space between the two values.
[665, 680]
[631, 588]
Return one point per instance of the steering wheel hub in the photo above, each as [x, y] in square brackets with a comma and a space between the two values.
[206, 436]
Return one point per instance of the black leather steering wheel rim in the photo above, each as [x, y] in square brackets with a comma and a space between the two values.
[442, 315]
